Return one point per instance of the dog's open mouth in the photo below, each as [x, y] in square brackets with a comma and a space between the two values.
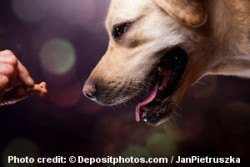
[166, 79]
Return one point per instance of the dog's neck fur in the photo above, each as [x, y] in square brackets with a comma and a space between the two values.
[232, 35]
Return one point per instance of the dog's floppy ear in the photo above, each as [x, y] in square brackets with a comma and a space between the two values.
[192, 12]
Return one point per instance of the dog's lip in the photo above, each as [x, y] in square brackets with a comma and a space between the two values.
[156, 106]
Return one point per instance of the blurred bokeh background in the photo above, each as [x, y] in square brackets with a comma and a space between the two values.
[60, 41]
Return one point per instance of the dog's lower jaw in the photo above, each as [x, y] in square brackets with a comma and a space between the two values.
[167, 80]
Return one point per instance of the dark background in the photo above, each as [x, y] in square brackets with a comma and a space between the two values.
[60, 41]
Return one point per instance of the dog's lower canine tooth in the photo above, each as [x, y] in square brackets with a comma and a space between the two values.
[160, 69]
[145, 120]
[161, 88]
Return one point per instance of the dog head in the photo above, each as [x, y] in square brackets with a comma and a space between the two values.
[155, 45]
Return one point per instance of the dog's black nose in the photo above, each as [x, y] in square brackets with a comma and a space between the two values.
[89, 90]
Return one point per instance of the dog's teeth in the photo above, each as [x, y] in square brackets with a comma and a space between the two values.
[160, 69]
[161, 88]
[145, 120]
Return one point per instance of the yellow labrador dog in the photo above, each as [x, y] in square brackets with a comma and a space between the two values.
[164, 46]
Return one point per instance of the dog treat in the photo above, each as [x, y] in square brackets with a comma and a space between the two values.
[38, 89]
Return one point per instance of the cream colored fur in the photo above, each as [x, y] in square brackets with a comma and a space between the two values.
[221, 46]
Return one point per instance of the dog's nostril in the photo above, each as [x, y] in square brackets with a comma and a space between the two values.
[89, 95]
[89, 90]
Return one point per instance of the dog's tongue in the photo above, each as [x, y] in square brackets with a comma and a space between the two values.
[150, 98]
[163, 72]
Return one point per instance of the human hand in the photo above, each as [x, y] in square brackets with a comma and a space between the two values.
[14, 79]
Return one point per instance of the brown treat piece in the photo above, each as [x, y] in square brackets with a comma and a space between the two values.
[38, 89]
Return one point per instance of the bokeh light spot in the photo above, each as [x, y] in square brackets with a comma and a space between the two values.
[160, 144]
[83, 11]
[235, 114]
[237, 107]
[28, 10]
[20, 148]
[57, 56]
[136, 151]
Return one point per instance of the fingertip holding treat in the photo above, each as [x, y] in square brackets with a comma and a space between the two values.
[30, 81]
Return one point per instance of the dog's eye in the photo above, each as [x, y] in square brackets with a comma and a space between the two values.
[120, 29]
